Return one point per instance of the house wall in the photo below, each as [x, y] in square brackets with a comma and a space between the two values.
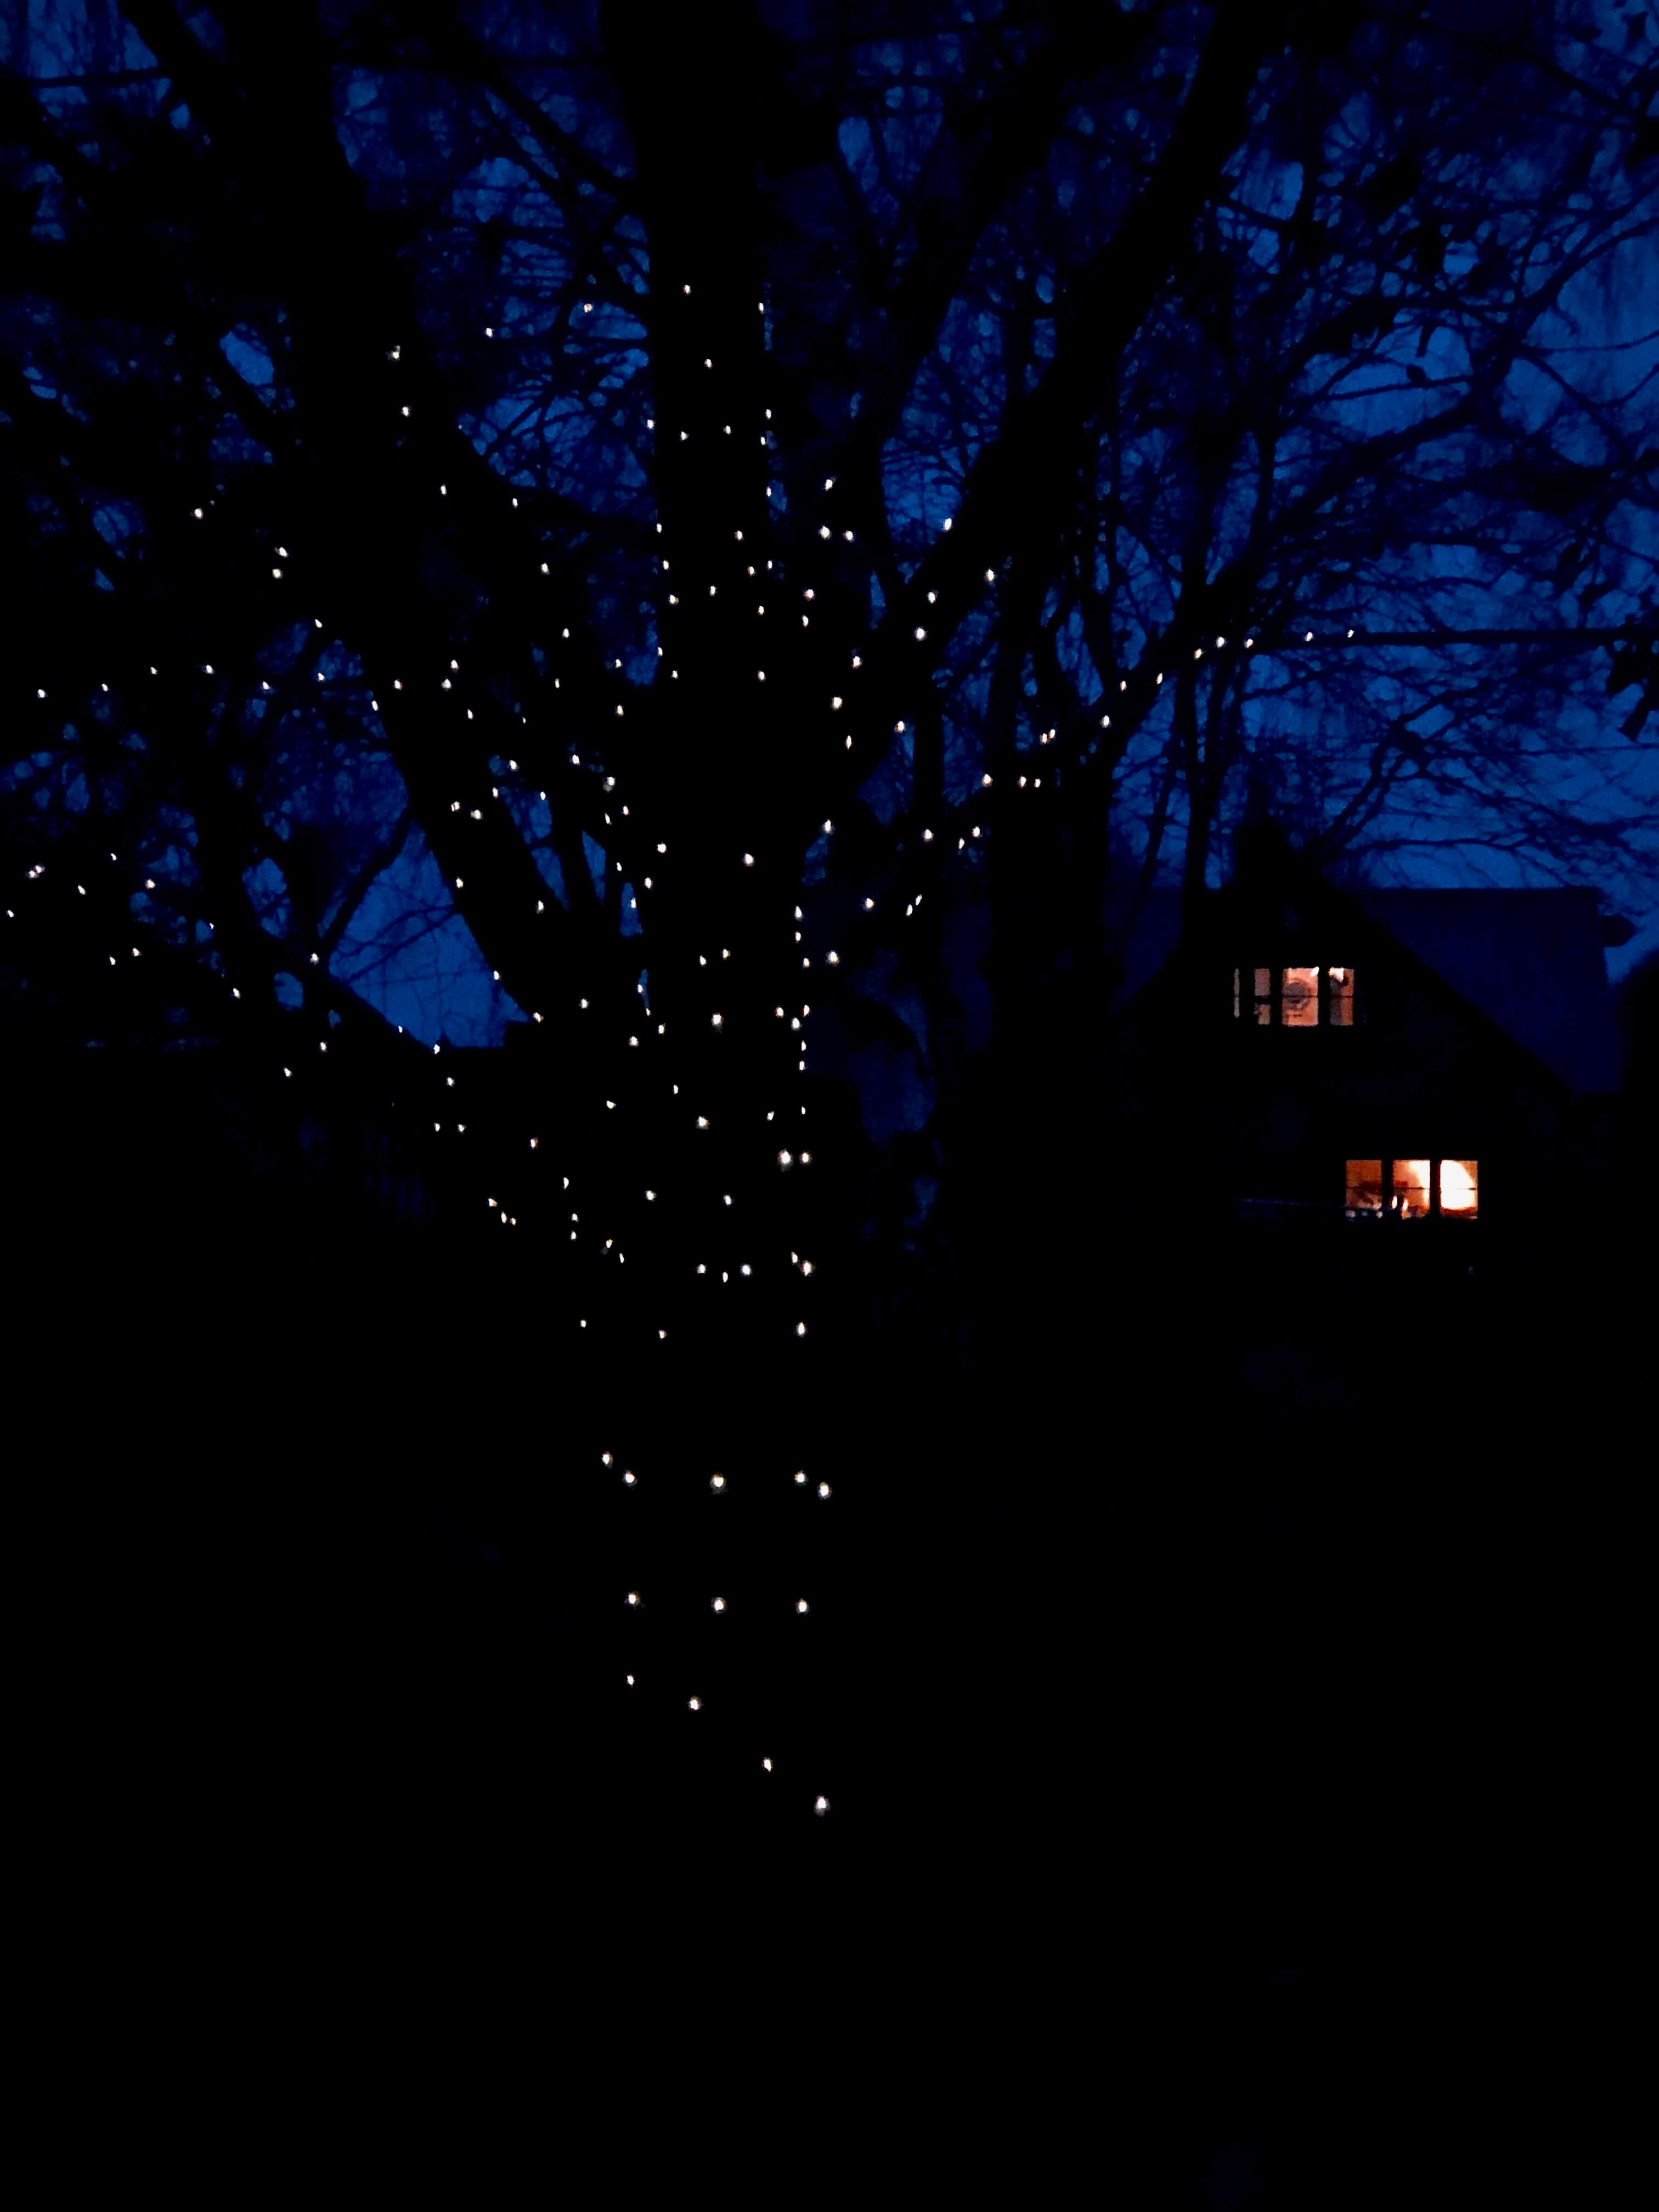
[1232, 1112]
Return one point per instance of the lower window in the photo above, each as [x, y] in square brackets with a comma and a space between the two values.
[1460, 1188]
[1411, 1190]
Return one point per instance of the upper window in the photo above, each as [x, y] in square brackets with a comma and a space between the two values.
[1298, 997]
[1294, 998]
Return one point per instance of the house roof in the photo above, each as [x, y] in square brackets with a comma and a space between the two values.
[1533, 961]
[1152, 942]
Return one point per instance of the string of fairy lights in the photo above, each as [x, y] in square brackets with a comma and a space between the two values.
[505, 788]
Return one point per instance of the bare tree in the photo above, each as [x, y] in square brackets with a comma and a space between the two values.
[652, 479]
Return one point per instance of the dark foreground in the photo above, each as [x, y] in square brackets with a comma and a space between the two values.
[1225, 1674]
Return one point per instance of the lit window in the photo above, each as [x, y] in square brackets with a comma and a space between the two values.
[1400, 1189]
[1259, 1005]
[1299, 999]
[1303, 1000]
[1410, 1196]
[1262, 995]
[1367, 1192]
[1460, 1188]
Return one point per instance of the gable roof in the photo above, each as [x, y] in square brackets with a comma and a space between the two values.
[1534, 962]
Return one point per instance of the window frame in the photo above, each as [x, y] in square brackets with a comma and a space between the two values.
[1437, 1162]
[1248, 1002]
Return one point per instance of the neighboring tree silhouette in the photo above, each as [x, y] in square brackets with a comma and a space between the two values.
[700, 488]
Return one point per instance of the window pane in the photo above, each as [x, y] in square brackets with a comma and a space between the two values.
[1342, 997]
[1410, 1188]
[1300, 999]
[1460, 1188]
[1364, 1187]
[1264, 997]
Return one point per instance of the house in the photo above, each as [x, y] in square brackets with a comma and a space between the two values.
[1434, 1064]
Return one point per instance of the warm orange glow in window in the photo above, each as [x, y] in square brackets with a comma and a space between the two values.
[1460, 1188]
[1366, 1193]
[1399, 1189]
[1410, 1188]
[1299, 999]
